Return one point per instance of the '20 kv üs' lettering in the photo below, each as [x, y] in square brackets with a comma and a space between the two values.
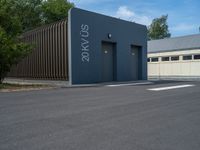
[85, 55]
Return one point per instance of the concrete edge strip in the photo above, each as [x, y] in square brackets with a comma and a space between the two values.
[109, 85]
[128, 84]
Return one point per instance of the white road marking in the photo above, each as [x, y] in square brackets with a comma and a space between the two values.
[128, 84]
[171, 87]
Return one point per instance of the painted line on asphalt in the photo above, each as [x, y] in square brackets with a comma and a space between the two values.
[129, 84]
[171, 87]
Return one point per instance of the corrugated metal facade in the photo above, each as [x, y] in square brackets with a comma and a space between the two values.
[49, 58]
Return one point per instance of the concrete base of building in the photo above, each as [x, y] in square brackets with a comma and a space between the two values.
[176, 78]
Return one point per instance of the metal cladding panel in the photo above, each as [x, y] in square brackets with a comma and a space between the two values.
[48, 59]
[87, 31]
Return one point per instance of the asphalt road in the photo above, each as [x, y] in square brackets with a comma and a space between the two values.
[102, 118]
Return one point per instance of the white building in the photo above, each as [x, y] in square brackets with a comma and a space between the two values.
[174, 58]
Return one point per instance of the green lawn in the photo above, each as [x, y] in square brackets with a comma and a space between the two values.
[18, 86]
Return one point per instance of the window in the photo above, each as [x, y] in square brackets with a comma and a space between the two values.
[187, 57]
[155, 59]
[148, 59]
[196, 56]
[174, 58]
[165, 58]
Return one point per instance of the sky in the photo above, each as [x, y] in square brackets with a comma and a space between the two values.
[183, 15]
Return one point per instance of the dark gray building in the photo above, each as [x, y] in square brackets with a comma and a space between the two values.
[88, 48]
[104, 49]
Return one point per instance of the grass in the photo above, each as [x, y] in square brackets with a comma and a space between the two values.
[7, 86]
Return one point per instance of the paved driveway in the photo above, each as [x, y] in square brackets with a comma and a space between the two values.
[102, 118]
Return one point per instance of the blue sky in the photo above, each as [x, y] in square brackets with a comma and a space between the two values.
[183, 15]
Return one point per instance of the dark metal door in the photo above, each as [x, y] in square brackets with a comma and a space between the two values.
[134, 62]
[107, 62]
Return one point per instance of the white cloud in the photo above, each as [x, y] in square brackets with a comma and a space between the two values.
[124, 12]
[184, 27]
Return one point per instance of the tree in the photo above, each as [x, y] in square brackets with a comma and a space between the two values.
[12, 50]
[54, 10]
[34, 13]
[29, 13]
[159, 28]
